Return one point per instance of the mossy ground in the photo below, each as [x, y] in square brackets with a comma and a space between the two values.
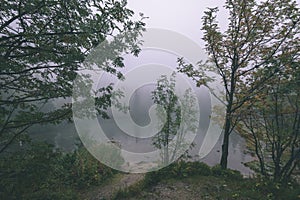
[202, 182]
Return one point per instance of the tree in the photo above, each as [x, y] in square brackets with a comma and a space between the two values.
[164, 95]
[178, 117]
[43, 45]
[256, 34]
[273, 120]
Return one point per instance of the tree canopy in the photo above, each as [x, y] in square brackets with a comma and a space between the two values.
[42, 47]
[258, 34]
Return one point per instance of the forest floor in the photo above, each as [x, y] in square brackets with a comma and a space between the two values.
[189, 188]
[111, 186]
[204, 183]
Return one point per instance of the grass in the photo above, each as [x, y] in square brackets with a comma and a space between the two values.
[186, 180]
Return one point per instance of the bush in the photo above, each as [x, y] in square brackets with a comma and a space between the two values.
[273, 190]
[81, 169]
[28, 171]
[177, 170]
[41, 172]
[199, 168]
[226, 173]
[109, 154]
[130, 191]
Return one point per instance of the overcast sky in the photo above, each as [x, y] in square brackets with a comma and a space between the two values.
[178, 15]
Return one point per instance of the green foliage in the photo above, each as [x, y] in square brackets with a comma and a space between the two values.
[226, 173]
[178, 170]
[258, 34]
[210, 182]
[43, 46]
[130, 191]
[168, 107]
[50, 194]
[273, 122]
[274, 190]
[178, 117]
[40, 172]
[83, 170]
[183, 169]
[109, 154]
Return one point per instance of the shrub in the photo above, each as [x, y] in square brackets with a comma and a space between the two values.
[177, 170]
[27, 171]
[41, 172]
[200, 169]
[226, 173]
[274, 190]
[81, 169]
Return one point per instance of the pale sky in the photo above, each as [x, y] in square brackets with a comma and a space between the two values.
[177, 15]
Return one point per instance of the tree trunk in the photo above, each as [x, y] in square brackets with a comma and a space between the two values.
[166, 156]
[227, 130]
[225, 144]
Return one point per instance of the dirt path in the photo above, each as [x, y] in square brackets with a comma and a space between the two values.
[109, 188]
